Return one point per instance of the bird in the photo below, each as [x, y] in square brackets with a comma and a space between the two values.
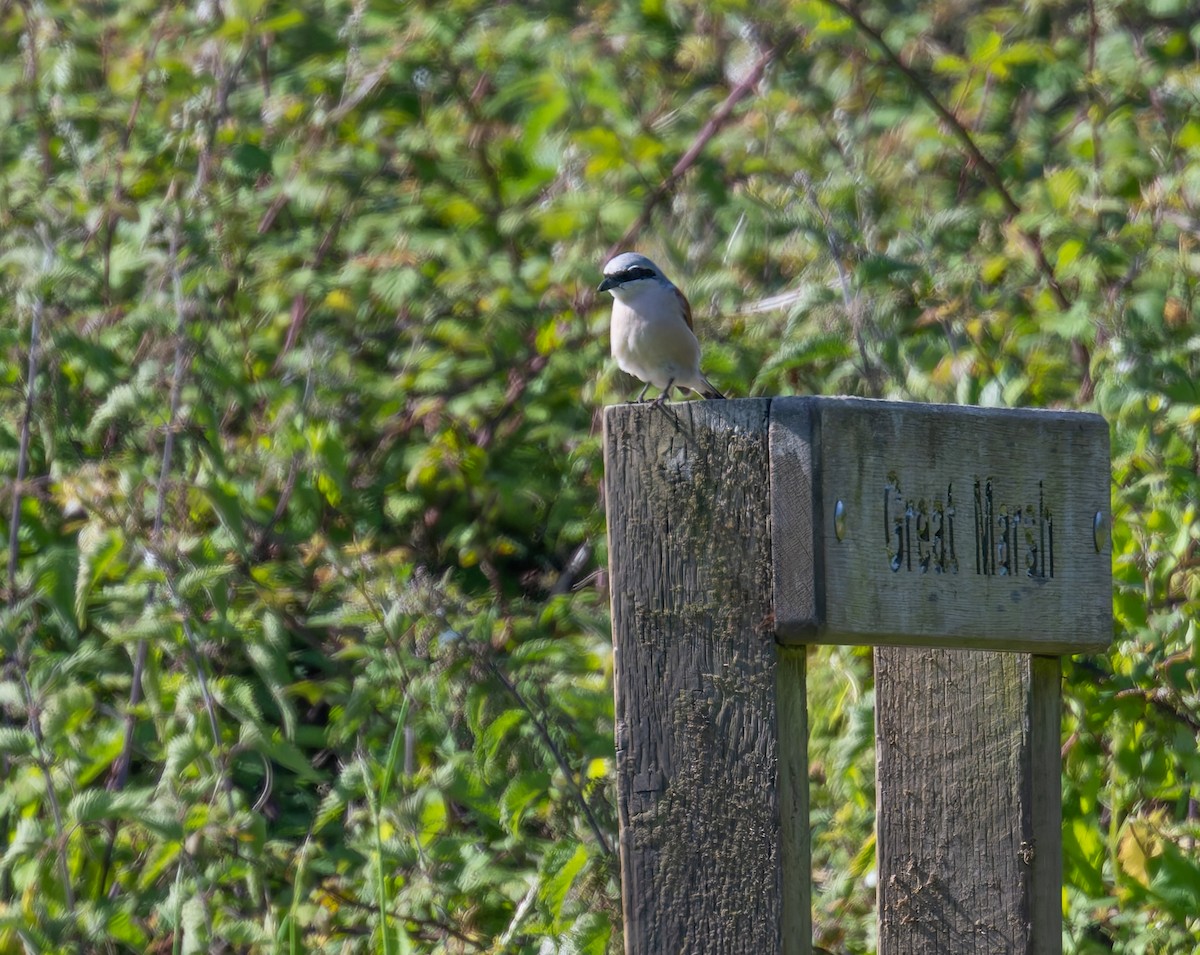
[651, 334]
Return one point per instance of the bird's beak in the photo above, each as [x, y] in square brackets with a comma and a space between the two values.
[607, 284]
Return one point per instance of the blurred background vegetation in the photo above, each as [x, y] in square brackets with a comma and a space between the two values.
[305, 641]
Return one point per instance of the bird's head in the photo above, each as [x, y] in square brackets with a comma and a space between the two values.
[629, 274]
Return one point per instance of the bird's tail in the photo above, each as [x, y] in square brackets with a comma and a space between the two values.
[707, 389]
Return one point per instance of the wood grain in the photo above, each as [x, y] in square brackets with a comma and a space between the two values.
[795, 516]
[968, 810]
[695, 676]
[961, 526]
[1045, 802]
[795, 839]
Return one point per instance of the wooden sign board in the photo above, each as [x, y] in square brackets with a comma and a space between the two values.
[940, 525]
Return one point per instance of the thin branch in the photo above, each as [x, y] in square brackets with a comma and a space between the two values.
[33, 74]
[518, 915]
[477, 942]
[720, 117]
[555, 752]
[1155, 698]
[518, 381]
[35, 328]
[110, 218]
[1093, 33]
[300, 304]
[220, 108]
[119, 775]
[156, 534]
[544, 732]
[210, 704]
[989, 172]
[60, 840]
[181, 356]
[851, 299]
[366, 86]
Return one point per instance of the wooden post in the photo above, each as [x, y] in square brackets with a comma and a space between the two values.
[739, 525]
[703, 850]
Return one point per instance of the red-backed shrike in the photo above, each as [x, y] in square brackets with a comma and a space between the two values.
[652, 337]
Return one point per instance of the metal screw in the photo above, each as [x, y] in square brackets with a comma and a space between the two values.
[839, 520]
[1100, 531]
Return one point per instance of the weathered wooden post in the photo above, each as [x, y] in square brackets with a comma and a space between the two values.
[740, 531]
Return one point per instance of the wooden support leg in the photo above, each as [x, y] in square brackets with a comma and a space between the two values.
[969, 803]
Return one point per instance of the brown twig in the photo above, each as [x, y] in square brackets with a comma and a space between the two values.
[220, 109]
[720, 117]
[14, 524]
[544, 733]
[119, 775]
[300, 304]
[33, 717]
[110, 218]
[1154, 698]
[518, 381]
[987, 169]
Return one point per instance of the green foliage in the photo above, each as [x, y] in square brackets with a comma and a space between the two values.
[305, 645]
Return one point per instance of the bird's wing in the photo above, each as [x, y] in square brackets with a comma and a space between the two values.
[687, 309]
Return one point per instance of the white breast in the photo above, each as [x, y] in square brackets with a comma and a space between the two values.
[651, 340]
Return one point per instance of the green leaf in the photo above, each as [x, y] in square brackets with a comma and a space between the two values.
[1068, 252]
[15, 741]
[496, 732]
[1176, 883]
[519, 796]
[559, 875]
[1083, 857]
